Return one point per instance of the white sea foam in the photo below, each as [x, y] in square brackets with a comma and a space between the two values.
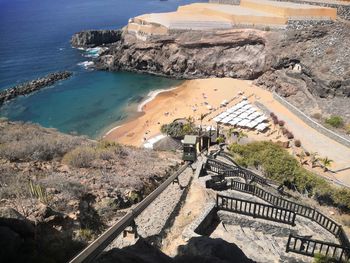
[111, 130]
[86, 64]
[151, 96]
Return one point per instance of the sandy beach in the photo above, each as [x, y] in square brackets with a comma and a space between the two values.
[194, 97]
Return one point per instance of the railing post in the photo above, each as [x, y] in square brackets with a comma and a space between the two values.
[288, 243]
[254, 213]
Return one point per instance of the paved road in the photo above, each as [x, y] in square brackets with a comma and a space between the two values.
[314, 141]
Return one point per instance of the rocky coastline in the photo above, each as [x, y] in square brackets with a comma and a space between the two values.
[93, 38]
[32, 86]
[301, 64]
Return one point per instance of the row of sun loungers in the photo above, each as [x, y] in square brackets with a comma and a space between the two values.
[243, 115]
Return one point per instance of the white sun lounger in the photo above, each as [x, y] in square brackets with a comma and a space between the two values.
[243, 123]
[251, 110]
[252, 124]
[226, 120]
[261, 118]
[235, 121]
[244, 115]
[261, 126]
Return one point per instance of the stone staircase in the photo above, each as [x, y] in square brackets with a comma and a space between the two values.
[260, 239]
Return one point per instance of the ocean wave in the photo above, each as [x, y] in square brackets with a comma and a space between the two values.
[86, 64]
[151, 96]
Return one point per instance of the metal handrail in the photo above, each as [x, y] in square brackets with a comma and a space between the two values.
[305, 211]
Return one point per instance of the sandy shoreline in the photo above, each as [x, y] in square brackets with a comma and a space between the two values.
[191, 98]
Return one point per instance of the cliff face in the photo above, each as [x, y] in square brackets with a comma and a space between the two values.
[93, 38]
[233, 53]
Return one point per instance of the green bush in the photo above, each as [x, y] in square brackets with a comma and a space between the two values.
[335, 121]
[177, 129]
[277, 164]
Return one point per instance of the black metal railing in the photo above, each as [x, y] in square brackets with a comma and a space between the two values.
[311, 247]
[305, 211]
[254, 209]
[217, 166]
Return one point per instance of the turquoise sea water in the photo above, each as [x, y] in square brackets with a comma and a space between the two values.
[34, 41]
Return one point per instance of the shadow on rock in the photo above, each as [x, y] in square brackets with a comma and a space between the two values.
[205, 249]
[198, 249]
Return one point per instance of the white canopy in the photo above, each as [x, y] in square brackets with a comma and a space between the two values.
[235, 121]
[227, 119]
[243, 123]
[261, 126]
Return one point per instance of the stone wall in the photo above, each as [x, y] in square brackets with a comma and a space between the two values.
[226, 2]
[301, 24]
[311, 122]
[343, 11]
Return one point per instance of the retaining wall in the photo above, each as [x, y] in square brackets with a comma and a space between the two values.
[311, 122]
[343, 10]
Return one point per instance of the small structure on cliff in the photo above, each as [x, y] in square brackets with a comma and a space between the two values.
[190, 148]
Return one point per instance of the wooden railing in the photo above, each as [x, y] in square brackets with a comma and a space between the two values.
[305, 211]
[97, 246]
[254, 209]
[311, 247]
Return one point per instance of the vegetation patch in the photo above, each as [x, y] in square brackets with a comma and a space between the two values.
[277, 164]
[179, 129]
[335, 121]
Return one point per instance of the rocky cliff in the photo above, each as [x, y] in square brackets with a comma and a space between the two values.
[233, 53]
[93, 38]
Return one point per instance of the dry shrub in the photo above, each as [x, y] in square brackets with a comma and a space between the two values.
[70, 188]
[80, 157]
[317, 116]
[106, 154]
[297, 143]
[29, 142]
[284, 131]
[290, 135]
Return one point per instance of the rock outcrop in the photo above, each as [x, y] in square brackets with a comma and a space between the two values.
[93, 38]
[34, 85]
[232, 53]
